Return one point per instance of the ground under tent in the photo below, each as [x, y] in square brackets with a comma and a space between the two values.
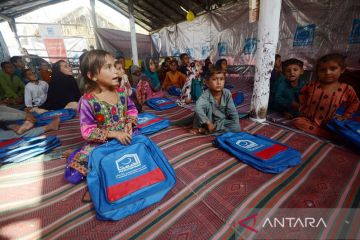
[213, 190]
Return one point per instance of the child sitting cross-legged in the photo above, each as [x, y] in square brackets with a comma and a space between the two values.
[35, 91]
[320, 100]
[215, 110]
[174, 77]
[287, 89]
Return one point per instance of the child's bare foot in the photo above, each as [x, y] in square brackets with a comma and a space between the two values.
[14, 127]
[198, 131]
[54, 125]
[26, 126]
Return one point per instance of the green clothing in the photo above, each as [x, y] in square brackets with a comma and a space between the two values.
[224, 116]
[285, 95]
[11, 86]
[18, 73]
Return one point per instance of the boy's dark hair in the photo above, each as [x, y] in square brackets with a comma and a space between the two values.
[173, 60]
[23, 73]
[14, 59]
[82, 57]
[292, 61]
[336, 57]
[4, 63]
[212, 72]
[277, 56]
[219, 62]
[92, 63]
[183, 55]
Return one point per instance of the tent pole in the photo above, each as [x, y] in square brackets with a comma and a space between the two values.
[134, 49]
[12, 25]
[268, 36]
[94, 22]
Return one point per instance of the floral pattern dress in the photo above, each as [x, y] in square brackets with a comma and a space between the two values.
[97, 118]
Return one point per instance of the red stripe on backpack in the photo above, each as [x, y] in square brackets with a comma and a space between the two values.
[270, 152]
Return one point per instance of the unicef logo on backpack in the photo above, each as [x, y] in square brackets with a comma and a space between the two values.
[128, 162]
[248, 145]
[160, 101]
[142, 120]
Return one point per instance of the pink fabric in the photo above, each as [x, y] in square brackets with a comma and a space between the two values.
[144, 92]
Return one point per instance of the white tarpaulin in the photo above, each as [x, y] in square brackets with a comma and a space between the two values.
[308, 30]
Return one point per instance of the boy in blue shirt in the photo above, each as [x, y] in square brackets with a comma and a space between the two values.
[287, 88]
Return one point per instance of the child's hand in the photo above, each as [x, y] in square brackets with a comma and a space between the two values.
[210, 126]
[123, 137]
[128, 129]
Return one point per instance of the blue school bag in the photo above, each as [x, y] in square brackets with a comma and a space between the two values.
[160, 103]
[349, 130]
[175, 91]
[46, 117]
[149, 123]
[260, 152]
[123, 180]
[21, 149]
[238, 97]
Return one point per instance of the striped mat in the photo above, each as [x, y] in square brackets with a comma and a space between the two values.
[212, 191]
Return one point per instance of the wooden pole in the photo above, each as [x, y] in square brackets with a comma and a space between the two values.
[133, 33]
[268, 35]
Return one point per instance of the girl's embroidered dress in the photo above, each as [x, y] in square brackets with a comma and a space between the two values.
[97, 118]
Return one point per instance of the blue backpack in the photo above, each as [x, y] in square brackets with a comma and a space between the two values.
[349, 130]
[160, 103]
[46, 117]
[123, 180]
[175, 91]
[21, 149]
[238, 97]
[149, 123]
[259, 152]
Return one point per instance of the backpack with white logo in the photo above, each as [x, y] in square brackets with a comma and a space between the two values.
[21, 149]
[47, 117]
[149, 123]
[349, 130]
[160, 103]
[259, 152]
[123, 180]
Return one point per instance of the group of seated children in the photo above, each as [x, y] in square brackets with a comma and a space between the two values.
[313, 105]
[22, 88]
[107, 111]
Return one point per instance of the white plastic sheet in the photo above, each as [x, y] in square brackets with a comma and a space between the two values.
[308, 30]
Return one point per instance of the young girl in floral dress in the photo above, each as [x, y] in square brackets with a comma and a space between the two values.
[106, 112]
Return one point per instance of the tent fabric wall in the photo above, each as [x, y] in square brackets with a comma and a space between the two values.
[112, 40]
[309, 29]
